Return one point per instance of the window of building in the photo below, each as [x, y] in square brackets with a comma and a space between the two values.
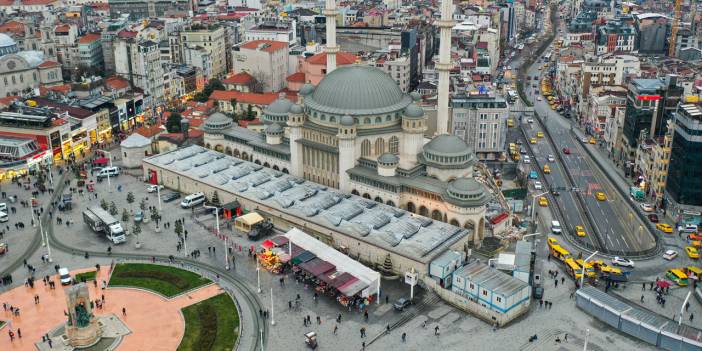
[394, 145]
[484, 292]
[365, 148]
[499, 299]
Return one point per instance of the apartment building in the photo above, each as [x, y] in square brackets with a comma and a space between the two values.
[209, 37]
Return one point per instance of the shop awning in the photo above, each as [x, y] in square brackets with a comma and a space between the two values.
[342, 279]
[279, 240]
[101, 161]
[353, 287]
[317, 267]
[328, 277]
[267, 244]
[250, 218]
[231, 205]
[303, 257]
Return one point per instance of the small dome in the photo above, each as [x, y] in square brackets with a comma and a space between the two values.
[347, 121]
[448, 151]
[281, 106]
[274, 128]
[388, 159]
[296, 109]
[415, 96]
[306, 89]
[414, 111]
[6, 40]
[467, 190]
[218, 121]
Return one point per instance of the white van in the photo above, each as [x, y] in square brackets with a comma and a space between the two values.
[192, 200]
[556, 227]
[3, 217]
[108, 171]
[65, 276]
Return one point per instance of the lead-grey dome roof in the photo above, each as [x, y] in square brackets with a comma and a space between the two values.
[347, 121]
[357, 90]
[6, 40]
[388, 159]
[217, 121]
[306, 89]
[280, 106]
[448, 151]
[274, 128]
[296, 109]
[414, 111]
[467, 192]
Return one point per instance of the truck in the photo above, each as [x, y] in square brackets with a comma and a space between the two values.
[101, 221]
[261, 229]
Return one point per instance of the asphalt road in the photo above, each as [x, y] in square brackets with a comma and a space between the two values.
[619, 229]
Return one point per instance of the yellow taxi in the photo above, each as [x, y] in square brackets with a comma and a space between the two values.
[692, 252]
[591, 141]
[579, 230]
[547, 169]
[696, 243]
[664, 227]
[510, 123]
[540, 135]
[600, 196]
[532, 141]
[543, 202]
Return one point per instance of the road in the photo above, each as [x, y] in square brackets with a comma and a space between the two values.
[619, 229]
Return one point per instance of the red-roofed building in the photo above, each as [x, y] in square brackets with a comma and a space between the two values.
[150, 132]
[315, 67]
[296, 81]
[29, 5]
[268, 59]
[117, 84]
[90, 50]
[240, 82]
[89, 38]
[257, 101]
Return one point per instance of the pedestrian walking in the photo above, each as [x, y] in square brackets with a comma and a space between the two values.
[643, 286]
[642, 298]
[687, 306]
[336, 327]
[319, 320]
[692, 316]
[556, 282]
[436, 330]
[565, 337]
[404, 337]
[124, 311]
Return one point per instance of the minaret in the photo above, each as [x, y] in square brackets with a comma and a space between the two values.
[347, 154]
[332, 49]
[444, 67]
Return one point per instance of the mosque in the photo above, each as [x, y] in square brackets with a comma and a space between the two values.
[358, 132]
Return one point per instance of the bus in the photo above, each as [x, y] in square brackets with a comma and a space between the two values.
[559, 252]
[573, 268]
[547, 57]
[589, 269]
[677, 276]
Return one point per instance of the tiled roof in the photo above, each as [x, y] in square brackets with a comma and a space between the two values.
[265, 45]
[38, 2]
[62, 28]
[116, 83]
[14, 27]
[149, 131]
[239, 78]
[246, 98]
[89, 38]
[296, 77]
[127, 34]
[7, 100]
[342, 58]
[48, 64]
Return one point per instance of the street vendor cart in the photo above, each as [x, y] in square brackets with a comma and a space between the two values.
[311, 340]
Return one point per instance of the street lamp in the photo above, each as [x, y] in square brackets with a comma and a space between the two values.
[226, 254]
[109, 186]
[272, 313]
[258, 275]
[682, 308]
[528, 235]
[582, 276]
[533, 204]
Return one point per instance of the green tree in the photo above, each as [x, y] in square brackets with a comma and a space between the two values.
[130, 199]
[178, 228]
[136, 230]
[215, 198]
[173, 122]
[125, 215]
[113, 208]
[212, 85]
[233, 102]
[250, 115]
[104, 204]
[142, 205]
[155, 216]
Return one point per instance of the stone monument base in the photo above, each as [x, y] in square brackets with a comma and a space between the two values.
[84, 337]
[113, 329]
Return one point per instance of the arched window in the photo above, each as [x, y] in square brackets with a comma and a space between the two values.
[323, 117]
[379, 146]
[394, 145]
[378, 120]
[367, 121]
[332, 119]
[388, 118]
[365, 148]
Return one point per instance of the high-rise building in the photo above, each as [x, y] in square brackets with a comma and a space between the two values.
[107, 37]
[684, 185]
[266, 61]
[140, 63]
[210, 38]
[138, 9]
[481, 121]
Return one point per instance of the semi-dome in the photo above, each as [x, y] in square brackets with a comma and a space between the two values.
[280, 106]
[217, 121]
[306, 89]
[6, 40]
[347, 121]
[413, 111]
[448, 151]
[388, 159]
[467, 190]
[296, 109]
[357, 90]
[274, 128]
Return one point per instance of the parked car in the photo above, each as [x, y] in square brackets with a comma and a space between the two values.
[551, 158]
[153, 188]
[670, 255]
[65, 276]
[647, 207]
[138, 216]
[623, 262]
[566, 151]
[580, 230]
[692, 252]
[537, 185]
[401, 304]
[653, 218]
[664, 227]
[171, 196]
[533, 175]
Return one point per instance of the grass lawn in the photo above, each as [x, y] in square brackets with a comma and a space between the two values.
[165, 280]
[86, 275]
[1, 324]
[210, 325]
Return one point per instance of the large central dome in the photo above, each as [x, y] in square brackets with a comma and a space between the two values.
[357, 90]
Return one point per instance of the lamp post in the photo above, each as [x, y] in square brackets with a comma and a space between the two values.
[272, 313]
[109, 186]
[582, 276]
[158, 195]
[258, 276]
[528, 235]
[226, 258]
[533, 204]
[682, 308]
[587, 336]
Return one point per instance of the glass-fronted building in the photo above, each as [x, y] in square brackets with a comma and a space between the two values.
[685, 171]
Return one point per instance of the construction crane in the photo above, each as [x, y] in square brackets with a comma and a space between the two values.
[674, 29]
